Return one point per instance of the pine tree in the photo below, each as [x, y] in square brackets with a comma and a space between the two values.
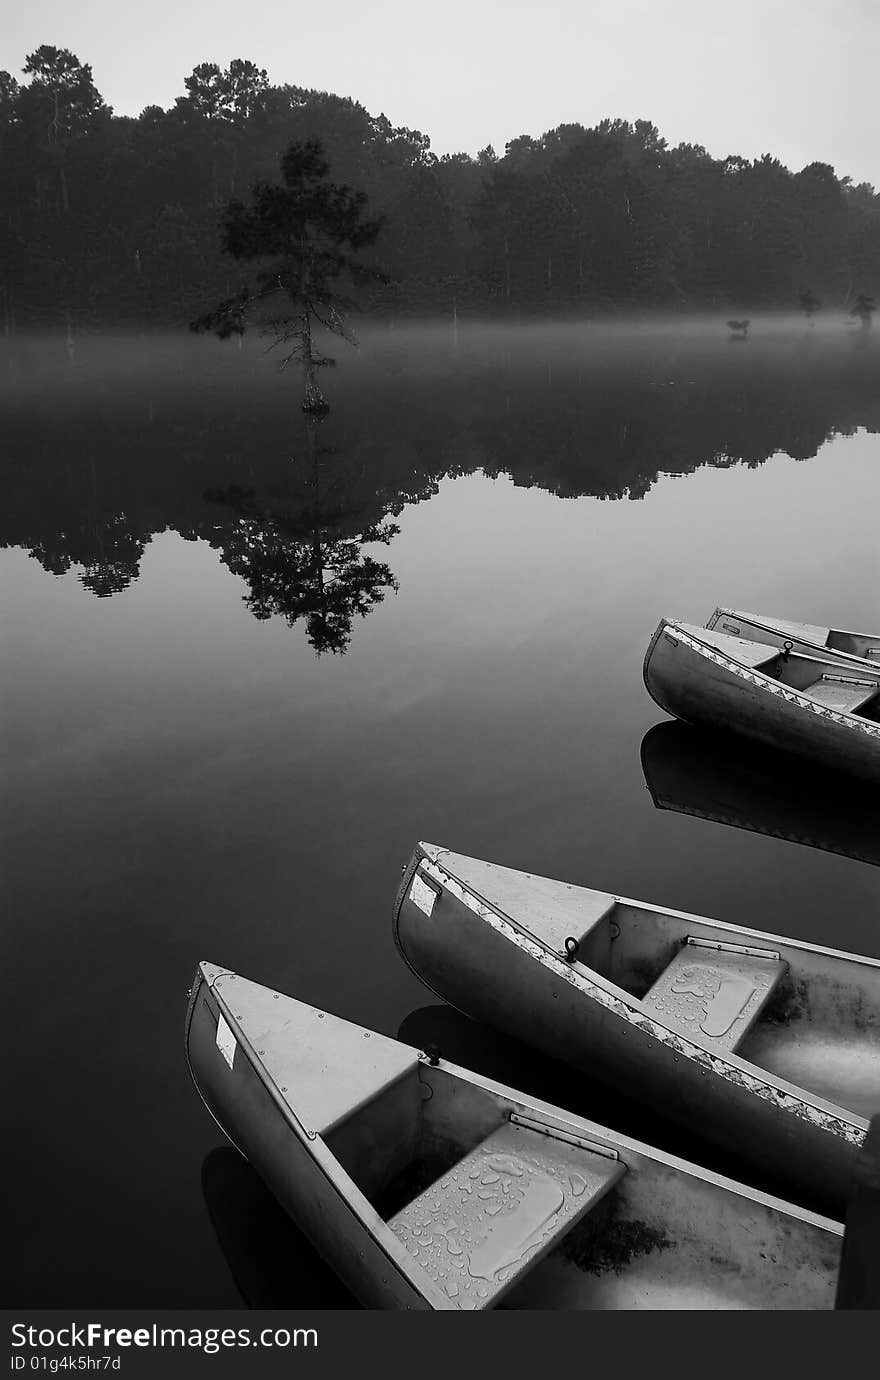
[303, 236]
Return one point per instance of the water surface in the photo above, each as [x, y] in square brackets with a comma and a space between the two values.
[248, 663]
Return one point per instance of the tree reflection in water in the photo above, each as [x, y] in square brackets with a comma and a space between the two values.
[153, 437]
[307, 562]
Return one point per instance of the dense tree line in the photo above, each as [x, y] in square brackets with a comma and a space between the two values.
[114, 220]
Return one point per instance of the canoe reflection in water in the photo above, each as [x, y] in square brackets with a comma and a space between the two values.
[716, 776]
[273, 1264]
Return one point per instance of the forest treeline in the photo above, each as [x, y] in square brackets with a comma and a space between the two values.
[114, 220]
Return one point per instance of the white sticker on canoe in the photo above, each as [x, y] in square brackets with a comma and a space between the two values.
[225, 1041]
[422, 895]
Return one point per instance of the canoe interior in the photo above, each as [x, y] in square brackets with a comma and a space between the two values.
[849, 689]
[856, 644]
[660, 1236]
[820, 1030]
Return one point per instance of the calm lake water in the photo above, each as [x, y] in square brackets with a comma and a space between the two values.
[247, 664]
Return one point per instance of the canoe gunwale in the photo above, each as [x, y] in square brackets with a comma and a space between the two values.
[785, 1096]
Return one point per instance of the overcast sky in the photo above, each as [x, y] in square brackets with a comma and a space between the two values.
[795, 78]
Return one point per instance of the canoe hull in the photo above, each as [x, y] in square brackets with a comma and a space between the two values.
[704, 688]
[301, 1173]
[487, 972]
[662, 1233]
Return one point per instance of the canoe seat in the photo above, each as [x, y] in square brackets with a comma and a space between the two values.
[501, 1208]
[714, 995]
[841, 694]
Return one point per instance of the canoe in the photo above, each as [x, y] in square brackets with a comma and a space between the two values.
[806, 637]
[718, 777]
[427, 1186]
[750, 1041]
[802, 702]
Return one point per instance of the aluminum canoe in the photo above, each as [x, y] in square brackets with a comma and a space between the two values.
[426, 1186]
[806, 703]
[803, 637]
[763, 1045]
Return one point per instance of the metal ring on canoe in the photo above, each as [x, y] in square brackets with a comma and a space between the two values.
[571, 948]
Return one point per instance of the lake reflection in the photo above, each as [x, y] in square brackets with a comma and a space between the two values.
[187, 779]
[141, 437]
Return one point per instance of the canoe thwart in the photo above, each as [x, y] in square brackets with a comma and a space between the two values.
[714, 993]
[485, 1222]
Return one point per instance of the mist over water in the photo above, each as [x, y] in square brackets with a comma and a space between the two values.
[140, 429]
[249, 662]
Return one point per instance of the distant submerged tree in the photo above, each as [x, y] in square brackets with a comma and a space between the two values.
[303, 236]
[810, 304]
[863, 307]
